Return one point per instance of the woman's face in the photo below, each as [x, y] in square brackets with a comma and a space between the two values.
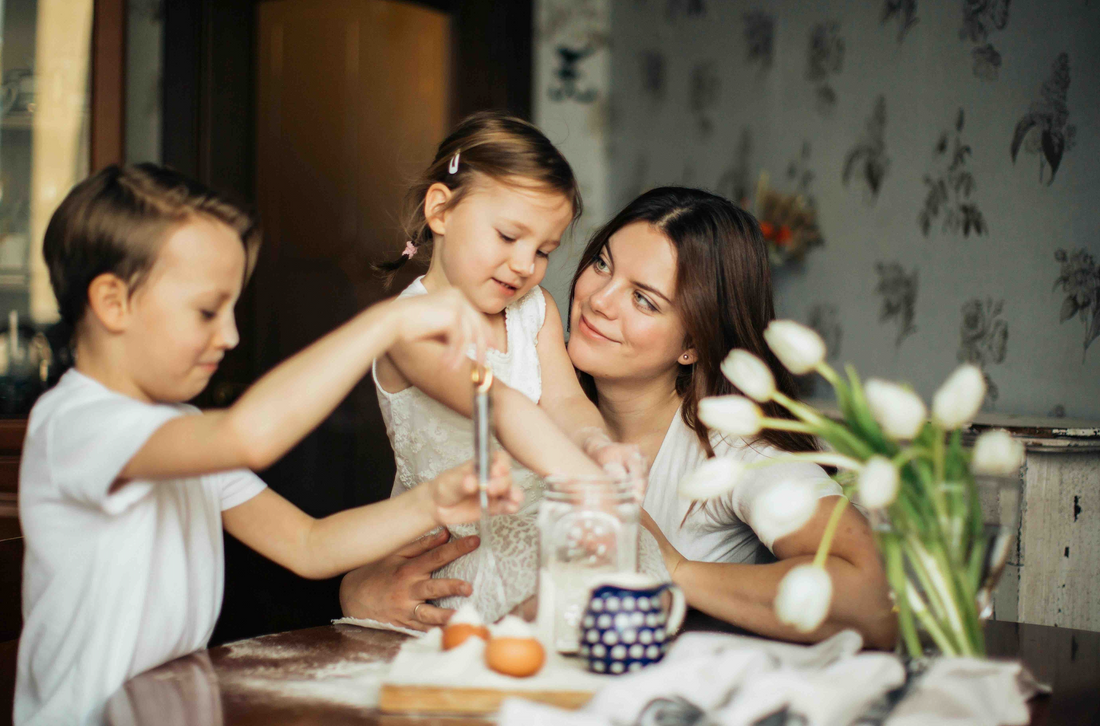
[623, 323]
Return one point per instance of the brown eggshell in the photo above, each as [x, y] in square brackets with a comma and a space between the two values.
[457, 634]
[519, 657]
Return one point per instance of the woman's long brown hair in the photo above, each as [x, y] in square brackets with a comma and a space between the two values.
[723, 297]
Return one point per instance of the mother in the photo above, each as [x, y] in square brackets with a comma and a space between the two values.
[662, 293]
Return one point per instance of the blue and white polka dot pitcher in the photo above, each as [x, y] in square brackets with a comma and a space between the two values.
[627, 624]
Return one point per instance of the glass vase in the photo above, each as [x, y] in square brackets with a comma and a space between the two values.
[944, 547]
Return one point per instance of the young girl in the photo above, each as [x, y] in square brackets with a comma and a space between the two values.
[123, 490]
[489, 210]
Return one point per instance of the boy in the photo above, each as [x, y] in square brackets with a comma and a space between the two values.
[124, 490]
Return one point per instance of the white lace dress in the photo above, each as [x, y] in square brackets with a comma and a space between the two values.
[428, 438]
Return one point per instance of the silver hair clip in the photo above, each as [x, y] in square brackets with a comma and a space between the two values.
[452, 168]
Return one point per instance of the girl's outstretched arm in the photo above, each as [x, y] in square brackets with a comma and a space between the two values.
[523, 428]
[565, 402]
[320, 548]
[291, 400]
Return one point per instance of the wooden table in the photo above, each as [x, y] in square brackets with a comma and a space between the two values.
[280, 679]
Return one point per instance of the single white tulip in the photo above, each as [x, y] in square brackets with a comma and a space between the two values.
[878, 483]
[996, 453]
[713, 478]
[732, 415]
[750, 374]
[959, 398]
[796, 346]
[804, 597]
[783, 508]
[899, 411]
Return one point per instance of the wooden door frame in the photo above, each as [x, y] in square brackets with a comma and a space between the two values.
[108, 83]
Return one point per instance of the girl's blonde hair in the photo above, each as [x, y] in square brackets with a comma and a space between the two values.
[504, 148]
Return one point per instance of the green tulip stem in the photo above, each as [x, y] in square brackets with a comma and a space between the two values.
[786, 424]
[816, 457]
[895, 572]
[921, 611]
[804, 412]
[829, 374]
[906, 455]
[830, 530]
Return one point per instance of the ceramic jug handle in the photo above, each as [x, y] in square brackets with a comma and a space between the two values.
[678, 610]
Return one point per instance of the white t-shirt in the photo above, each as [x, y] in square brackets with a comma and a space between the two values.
[113, 583]
[723, 529]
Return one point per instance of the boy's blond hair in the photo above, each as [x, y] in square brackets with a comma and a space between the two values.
[116, 220]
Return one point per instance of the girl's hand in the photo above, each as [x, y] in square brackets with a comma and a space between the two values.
[446, 316]
[672, 557]
[617, 459]
[455, 492]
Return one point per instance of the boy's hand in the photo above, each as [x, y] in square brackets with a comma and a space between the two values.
[446, 316]
[455, 492]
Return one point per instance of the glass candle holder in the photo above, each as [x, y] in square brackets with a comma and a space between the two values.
[588, 528]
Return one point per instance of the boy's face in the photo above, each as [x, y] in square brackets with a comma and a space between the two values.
[182, 316]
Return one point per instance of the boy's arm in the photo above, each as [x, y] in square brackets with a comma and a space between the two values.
[320, 548]
[288, 402]
[522, 427]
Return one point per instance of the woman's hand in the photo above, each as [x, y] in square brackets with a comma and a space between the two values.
[616, 459]
[455, 494]
[446, 316]
[673, 559]
[394, 589]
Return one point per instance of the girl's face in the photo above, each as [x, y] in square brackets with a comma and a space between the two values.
[623, 325]
[494, 244]
[181, 319]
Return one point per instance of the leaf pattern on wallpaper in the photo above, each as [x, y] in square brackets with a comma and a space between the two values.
[987, 62]
[802, 176]
[703, 95]
[760, 38]
[637, 183]
[735, 182]
[980, 19]
[905, 11]
[653, 74]
[950, 190]
[568, 76]
[825, 319]
[983, 339]
[1044, 130]
[867, 160]
[824, 59]
[1079, 279]
[675, 9]
[898, 290]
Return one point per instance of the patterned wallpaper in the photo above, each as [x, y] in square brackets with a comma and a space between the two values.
[949, 148]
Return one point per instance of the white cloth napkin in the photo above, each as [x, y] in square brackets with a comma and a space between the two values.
[710, 679]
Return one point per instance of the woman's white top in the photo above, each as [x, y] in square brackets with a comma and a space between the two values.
[428, 438]
[729, 528]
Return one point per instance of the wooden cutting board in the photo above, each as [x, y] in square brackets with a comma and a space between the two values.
[394, 698]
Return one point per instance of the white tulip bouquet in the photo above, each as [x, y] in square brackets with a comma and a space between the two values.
[912, 473]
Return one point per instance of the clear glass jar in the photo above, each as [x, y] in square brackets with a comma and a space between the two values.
[588, 528]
